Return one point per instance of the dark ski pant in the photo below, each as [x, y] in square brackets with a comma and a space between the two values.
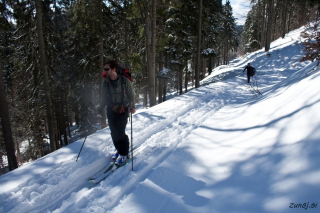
[117, 123]
[248, 77]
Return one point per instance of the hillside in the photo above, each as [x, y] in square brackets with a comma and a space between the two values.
[219, 148]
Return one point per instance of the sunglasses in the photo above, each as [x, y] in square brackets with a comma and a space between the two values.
[106, 69]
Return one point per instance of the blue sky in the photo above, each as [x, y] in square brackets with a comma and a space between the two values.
[240, 10]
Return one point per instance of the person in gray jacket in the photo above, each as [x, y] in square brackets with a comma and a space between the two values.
[117, 93]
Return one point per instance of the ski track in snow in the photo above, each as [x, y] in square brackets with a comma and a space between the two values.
[162, 128]
[200, 108]
[156, 154]
[60, 185]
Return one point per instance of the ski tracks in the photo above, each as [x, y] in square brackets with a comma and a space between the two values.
[156, 136]
[156, 139]
[157, 145]
[56, 184]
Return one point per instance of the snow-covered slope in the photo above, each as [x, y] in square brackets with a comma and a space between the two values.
[218, 148]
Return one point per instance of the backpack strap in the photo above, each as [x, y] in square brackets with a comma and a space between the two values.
[107, 85]
[123, 83]
[123, 86]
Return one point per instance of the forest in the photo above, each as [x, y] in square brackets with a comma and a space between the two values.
[53, 52]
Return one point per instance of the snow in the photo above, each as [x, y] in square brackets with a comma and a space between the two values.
[164, 72]
[218, 148]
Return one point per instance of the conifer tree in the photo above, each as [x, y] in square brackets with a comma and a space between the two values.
[44, 70]
[6, 126]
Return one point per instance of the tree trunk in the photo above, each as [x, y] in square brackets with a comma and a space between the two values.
[302, 17]
[186, 78]
[150, 32]
[180, 81]
[210, 65]
[101, 61]
[176, 85]
[43, 67]
[224, 52]
[64, 123]
[76, 113]
[145, 89]
[59, 115]
[204, 68]
[126, 44]
[284, 21]
[164, 90]
[160, 79]
[6, 126]
[160, 90]
[152, 70]
[165, 82]
[290, 16]
[269, 27]
[274, 31]
[67, 113]
[148, 51]
[194, 62]
[197, 84]
[263, 34]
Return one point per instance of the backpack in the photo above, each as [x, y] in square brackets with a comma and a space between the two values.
[253, 72]
[125, 72]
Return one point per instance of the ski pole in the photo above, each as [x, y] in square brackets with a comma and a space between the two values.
[82, 144]
[257, 85]
[131, 143]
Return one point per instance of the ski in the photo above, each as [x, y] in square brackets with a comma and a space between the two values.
[251, 90]
[256, 84]
[256, 90]
[110, 171]
[253, 93]
[105, 168]
[113, 169]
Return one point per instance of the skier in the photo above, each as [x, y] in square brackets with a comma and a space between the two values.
[250, 71]
[117, 93]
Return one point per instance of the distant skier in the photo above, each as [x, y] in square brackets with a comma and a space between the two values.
[250, 71]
